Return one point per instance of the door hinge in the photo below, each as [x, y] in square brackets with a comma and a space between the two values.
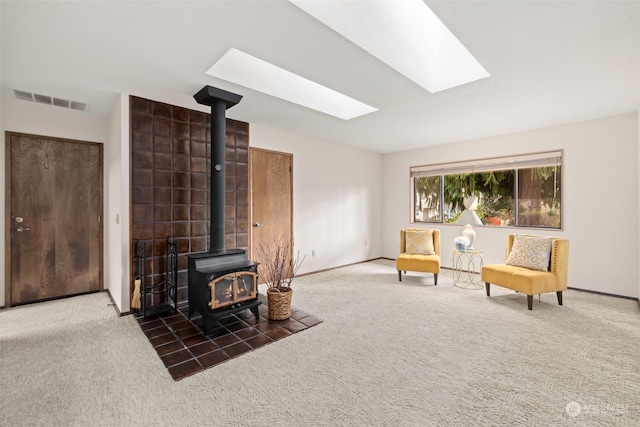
[99, 219]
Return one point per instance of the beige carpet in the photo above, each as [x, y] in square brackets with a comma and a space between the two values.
[387, 354]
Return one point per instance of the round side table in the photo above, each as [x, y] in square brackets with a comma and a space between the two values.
[467, 266]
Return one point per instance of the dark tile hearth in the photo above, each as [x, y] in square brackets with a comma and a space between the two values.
[185, 350]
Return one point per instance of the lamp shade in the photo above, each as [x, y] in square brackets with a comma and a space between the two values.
[469, 217]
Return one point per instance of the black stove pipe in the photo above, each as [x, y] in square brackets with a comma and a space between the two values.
[219, 100]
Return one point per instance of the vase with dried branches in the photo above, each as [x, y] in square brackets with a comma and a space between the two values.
[277, 269]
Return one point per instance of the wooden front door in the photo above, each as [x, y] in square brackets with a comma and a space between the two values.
[54, 217]
[271, 200]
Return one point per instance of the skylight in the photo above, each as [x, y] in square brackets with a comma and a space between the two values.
[404, 34]
[245, 70]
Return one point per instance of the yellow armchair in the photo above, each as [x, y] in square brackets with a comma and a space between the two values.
[419, 251]
[531, 281]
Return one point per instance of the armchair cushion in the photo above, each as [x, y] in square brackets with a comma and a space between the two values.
[532, 252]
[520, 279]
[419, 242]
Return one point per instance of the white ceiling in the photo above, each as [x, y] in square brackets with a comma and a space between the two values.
[551, 62]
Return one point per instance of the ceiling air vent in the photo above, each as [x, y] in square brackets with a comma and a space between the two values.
[44, 99]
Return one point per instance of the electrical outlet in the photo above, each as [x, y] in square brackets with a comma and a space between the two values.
[313, 253]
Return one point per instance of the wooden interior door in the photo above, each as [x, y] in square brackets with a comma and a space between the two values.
[54, 210]
[271, 200]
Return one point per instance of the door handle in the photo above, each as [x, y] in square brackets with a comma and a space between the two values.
[20, 229]
[257, 224]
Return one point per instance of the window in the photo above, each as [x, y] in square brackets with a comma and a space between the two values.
[428, 197]
[522, 191]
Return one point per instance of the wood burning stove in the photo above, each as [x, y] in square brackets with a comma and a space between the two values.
[221, 282]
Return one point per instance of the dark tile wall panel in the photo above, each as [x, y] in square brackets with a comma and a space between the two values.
[170, 149]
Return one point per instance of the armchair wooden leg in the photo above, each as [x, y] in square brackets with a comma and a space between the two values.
[399, 275]
[559, 294]
[486, 285]
[530, 302]
[435, 279]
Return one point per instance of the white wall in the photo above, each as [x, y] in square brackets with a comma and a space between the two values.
[125, 207]
[113, 206]
[337, 198]
[116, 224]
[38, 119]
[600, 199]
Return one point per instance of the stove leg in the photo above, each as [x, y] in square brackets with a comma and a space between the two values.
[254, 310]
[206, 325]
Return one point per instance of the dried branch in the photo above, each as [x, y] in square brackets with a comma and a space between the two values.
[276, 268]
